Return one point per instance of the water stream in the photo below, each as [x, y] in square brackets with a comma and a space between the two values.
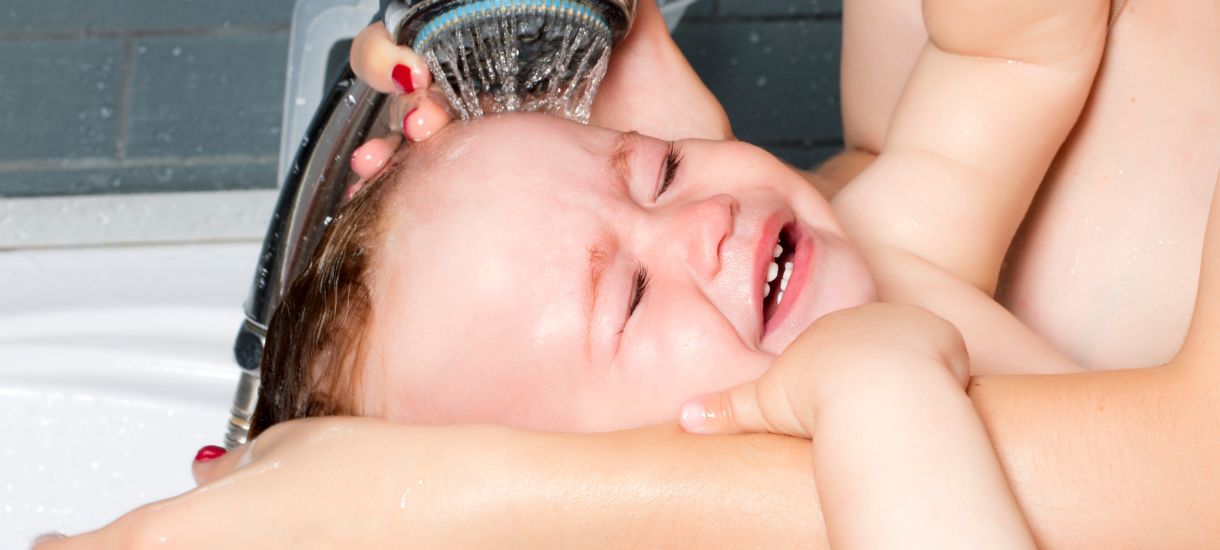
[520, 62]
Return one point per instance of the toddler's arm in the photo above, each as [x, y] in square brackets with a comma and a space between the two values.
[900, 458]
[993, 95]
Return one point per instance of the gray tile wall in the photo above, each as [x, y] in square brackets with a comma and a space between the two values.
[124, 96]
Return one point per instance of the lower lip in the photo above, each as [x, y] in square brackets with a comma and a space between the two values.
[797, 283]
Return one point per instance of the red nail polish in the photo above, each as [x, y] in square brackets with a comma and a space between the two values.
[405, 120]
[211, 452]
[402, 75]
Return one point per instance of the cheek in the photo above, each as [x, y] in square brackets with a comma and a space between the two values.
[691, 349]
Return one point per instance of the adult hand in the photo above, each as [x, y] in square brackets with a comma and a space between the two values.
[649, 87]
[327, 483]
[417, 106]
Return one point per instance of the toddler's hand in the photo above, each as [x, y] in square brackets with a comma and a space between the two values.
[836, 356]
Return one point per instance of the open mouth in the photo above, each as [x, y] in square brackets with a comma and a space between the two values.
[783, 258]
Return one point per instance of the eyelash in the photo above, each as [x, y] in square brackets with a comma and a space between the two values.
[637, 292]
[673, 161]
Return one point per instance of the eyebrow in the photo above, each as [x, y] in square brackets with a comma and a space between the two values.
[599, 261]
[620, 156]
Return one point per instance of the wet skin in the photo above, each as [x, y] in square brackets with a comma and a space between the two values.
[510, 288]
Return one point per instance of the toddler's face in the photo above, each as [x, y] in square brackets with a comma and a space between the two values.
[534, 274]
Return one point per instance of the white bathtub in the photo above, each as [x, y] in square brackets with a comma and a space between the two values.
[115, 367]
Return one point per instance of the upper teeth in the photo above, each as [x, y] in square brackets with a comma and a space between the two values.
[773, 272]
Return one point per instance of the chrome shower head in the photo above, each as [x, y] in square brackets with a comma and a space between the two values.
[514, 55]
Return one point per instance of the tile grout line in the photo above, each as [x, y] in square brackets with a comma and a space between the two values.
[82, 164]
[142, 33]
[120, 145]
[732, 18]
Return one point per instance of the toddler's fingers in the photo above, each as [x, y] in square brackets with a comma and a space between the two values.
[733, 411]
[386, 66]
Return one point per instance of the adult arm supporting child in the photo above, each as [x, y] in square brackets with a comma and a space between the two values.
[1105, 459]
[1099, 459]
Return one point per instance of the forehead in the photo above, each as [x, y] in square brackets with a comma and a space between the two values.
[502, 151]
[481, 294]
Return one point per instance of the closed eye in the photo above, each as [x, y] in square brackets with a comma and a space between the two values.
[637, 292]
[673, 161]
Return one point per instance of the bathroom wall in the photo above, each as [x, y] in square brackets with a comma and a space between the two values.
[775, 66]
[167, 96]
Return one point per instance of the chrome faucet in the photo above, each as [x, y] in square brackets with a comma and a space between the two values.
[312, 193]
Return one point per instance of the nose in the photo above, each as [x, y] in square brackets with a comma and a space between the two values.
[700, 229]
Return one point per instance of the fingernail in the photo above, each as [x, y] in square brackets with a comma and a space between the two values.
[694, 417]
[210, 452]
[406, 124]
[47, 537]
[402, 75]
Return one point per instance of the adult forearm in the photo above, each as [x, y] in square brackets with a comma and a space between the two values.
[1096, 460]
[661, 488]
[1109, 459]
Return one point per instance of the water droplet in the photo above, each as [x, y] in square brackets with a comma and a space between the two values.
[176, 51]
[755, 38]
[761, 81]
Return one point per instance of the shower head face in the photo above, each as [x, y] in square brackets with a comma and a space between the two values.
[405, 19]
[515, 55]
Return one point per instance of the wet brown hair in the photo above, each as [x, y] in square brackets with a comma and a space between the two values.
[314, 352]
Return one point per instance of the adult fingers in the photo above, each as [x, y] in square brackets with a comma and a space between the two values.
[420, 115]
[204, 462]
[416, 116]
[222, 464]
[370, 158]
[386, 66]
